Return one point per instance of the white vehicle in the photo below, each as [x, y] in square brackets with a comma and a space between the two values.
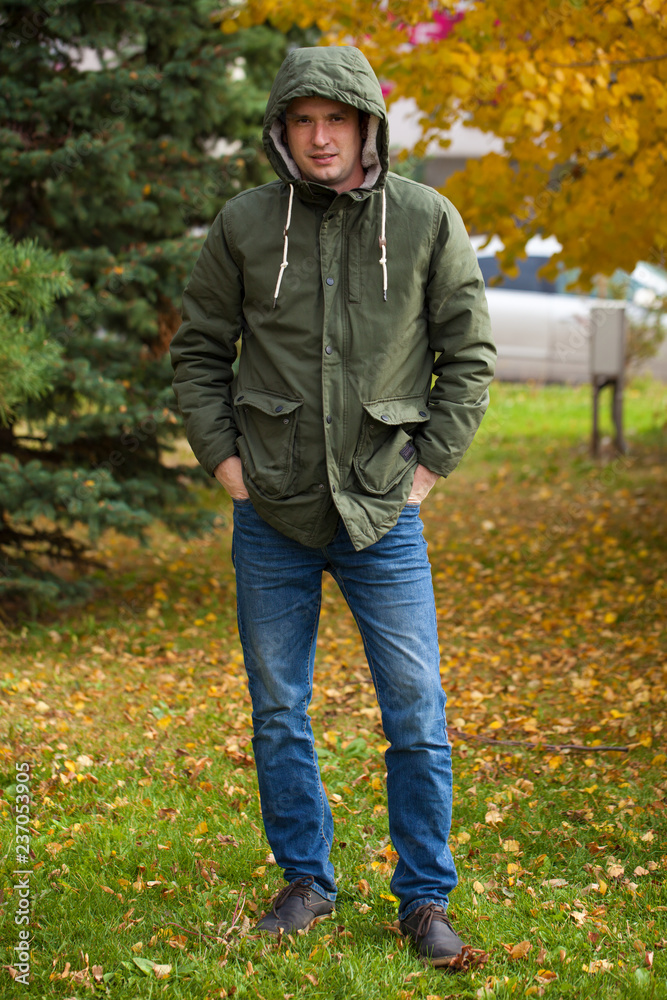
[543, 332]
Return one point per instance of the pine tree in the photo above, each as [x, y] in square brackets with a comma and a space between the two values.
[31, 279]
[111, 120]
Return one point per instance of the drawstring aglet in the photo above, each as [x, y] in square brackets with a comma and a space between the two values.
[280, 278]
[383, 245]
[383, 264]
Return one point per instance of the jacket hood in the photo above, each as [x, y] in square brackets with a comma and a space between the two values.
[338, 73]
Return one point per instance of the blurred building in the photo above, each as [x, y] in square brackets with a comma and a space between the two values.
[440, 162]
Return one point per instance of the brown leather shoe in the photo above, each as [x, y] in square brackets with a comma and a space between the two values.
[436, 940]
[296, 908]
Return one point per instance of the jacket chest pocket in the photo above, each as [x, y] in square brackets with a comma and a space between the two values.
[385, 450]
[268, 425]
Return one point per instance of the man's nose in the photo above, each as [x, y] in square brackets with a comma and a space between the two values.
[320, 134]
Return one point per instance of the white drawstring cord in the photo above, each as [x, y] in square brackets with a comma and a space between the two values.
[383, 246]
[382, 241]
[285, 261]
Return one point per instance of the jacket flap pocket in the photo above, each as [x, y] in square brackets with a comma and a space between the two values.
[273, 404]
[408, 410]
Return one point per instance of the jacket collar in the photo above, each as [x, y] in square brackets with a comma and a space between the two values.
[319, 194]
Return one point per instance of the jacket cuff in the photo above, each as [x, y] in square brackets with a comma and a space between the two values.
[211, 466]
[433, 462]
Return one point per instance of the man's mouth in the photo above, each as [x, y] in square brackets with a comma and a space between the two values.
[323, 157]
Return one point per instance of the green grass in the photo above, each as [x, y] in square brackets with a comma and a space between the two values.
[148, 850]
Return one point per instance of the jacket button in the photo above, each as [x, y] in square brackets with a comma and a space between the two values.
[285, 420]
[239, 398]
[423, 413]
[328, 349]
[278, 409]
[333, 489]
[321, 486]
[329, 418]
[330, 281]
[383, 417]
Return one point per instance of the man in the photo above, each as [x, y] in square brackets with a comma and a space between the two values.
[351, 288]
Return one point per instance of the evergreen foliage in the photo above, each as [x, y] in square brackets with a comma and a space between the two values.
[31, 278]
[110, 121]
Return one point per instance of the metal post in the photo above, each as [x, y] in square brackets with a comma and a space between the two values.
[607, 367]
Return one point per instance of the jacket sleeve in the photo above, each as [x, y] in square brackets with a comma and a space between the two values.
[204, 350]
[459, 331]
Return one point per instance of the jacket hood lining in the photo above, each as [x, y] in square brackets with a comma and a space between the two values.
[370, 158]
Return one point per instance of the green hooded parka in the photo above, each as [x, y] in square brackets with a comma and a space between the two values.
[333, 405]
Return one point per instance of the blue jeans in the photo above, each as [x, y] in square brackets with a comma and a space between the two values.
[389, 591]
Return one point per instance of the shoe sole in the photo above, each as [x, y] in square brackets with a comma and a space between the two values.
[438, 963]
[300, 930]
[317, 920]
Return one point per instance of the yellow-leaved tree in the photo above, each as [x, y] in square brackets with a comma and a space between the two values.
[576, 89]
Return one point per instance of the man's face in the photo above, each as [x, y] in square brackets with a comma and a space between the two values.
[324, 139]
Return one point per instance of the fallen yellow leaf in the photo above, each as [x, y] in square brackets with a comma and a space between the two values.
[520, 950]
[545, 976]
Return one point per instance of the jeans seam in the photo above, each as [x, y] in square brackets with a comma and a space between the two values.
[369, 658]
[305, 724]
